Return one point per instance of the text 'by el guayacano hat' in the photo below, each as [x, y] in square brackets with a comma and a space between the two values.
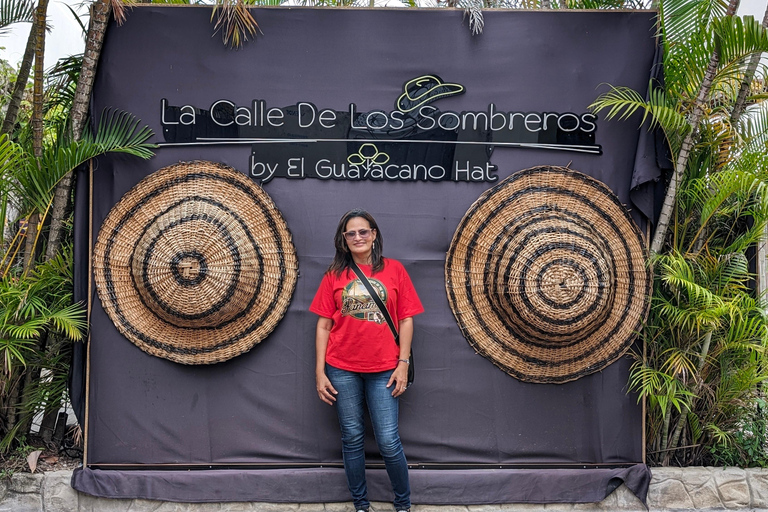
[195, 263]
[546, 276]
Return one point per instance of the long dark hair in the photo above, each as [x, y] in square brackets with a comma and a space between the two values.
[343, 258]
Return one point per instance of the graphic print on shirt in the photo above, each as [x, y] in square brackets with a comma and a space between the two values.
[358, 303]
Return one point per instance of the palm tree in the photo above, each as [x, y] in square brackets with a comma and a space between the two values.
[747, 80]
[707, 333]
[100, 12]
[233, 20]
[12, 12]
[37, 90]
[38, 183]
[36, 300]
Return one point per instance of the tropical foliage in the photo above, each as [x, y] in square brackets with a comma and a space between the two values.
[36, 308]
[15, 11]
[704, 365]
[38, 317]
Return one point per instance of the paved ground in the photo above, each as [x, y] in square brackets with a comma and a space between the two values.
[671, 490]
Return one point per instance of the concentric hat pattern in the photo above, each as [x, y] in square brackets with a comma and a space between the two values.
[546, 276]
[195, 264]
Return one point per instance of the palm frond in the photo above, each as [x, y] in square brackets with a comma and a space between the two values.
[235, 22]
[11, 155]
[623, 102]
[682, 20]
[753, 127]
[15, 350]
[738, 38]
[683, 277]
[15, 11]
[26, 332]
[678, 363]
[70, 321]
[686, 66]
[715, 191]
[718, 435]
[120, 132]
[695, 425]
[118, 9]
[77, 19]
[604, 4]
[117, 132]
[473, 11]
[659, 387]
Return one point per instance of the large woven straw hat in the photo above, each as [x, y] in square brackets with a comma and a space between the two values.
[195, 264]
[546, 276]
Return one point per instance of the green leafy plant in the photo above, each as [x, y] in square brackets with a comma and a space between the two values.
[38, 319]
[706, 337]
[747, 446]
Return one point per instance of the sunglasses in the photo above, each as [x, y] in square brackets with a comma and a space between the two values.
[362, 233]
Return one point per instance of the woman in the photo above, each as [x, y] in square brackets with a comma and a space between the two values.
[358, 360]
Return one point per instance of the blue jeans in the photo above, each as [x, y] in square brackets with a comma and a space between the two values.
[355, 390]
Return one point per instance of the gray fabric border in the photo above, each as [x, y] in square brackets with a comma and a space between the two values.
[313, 485]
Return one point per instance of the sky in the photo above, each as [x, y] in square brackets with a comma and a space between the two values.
[754, 7]
[66, 37]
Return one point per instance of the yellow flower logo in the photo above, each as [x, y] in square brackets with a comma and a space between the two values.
[368, 154]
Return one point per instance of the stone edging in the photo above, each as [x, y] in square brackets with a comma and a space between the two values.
[672, 489]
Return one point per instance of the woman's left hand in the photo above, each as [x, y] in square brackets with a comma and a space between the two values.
[399, 378]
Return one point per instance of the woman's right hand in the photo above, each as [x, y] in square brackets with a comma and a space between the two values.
[325, 389]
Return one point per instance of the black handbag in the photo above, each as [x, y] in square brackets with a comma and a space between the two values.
[387, 317]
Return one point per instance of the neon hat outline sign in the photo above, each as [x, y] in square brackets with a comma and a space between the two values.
[425, 89]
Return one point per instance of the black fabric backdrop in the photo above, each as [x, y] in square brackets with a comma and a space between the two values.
[261, 407]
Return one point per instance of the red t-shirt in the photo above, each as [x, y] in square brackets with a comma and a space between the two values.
[360, 339]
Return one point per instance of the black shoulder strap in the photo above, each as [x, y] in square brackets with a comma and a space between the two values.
[377, 300]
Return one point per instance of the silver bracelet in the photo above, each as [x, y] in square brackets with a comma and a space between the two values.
[406, 361]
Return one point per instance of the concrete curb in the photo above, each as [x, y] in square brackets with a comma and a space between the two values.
[672, 489]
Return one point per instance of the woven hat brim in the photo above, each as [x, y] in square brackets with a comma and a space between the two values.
[546, 276]
[227, 228]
